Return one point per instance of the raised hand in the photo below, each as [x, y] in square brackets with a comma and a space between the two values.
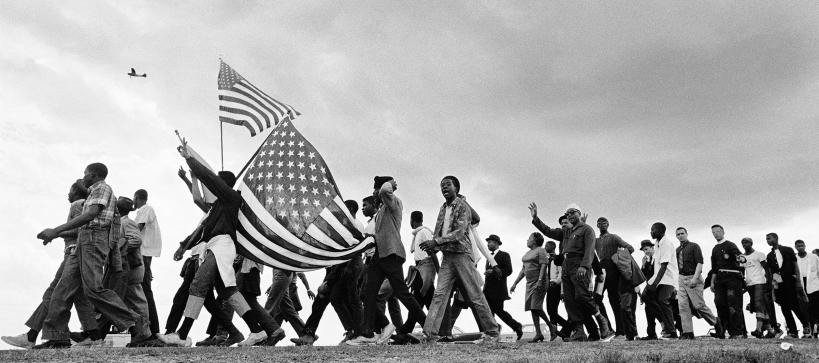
[182, 173]
[533, 210]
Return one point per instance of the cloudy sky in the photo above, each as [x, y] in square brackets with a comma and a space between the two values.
[689, 113]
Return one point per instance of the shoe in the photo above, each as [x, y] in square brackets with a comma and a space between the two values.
[227, 341]
[630, 339]
[553, 337]
[362, 340]
[717, 335]
[791, 336]
[77, 337]
[147, 343]
[386, 333]
[306, 339]
[519, 333]
[739, 336]
[19, 341]
[757, 334]
[88, 343]
[432, 339]
[273, 339]
[53, 344]
[537, 338]
[174, 340]
[606, 335]
[253, 338]
[618, 337]
[577, 336]
[347, 336]
[204, 342]
[671, 336]
[488, 338]
[445, 339]
[404, 339]
[807, 336]
[778, 333]
[650, 337]
[687, 336]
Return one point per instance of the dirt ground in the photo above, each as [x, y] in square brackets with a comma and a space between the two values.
[699, 351]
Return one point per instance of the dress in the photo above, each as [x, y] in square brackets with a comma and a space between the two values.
[532, 261]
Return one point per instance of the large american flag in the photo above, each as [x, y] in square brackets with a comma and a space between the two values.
[241, 103]
[293, 216]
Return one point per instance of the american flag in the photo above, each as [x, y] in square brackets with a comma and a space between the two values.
[241, 103]
[293, 216]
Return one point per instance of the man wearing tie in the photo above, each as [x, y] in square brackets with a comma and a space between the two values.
[494, 287]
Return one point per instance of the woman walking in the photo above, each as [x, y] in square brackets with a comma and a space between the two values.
[535, 269]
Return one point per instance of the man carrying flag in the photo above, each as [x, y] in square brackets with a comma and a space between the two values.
[219, 230]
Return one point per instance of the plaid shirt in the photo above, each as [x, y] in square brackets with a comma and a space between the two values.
[455, 239]
[102, 194]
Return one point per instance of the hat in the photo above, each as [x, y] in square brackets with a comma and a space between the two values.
[494, 237]
[380, 180]
[573, 206]
[125, 203]
[646, 243]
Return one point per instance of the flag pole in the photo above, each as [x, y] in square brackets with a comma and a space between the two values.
[222, 143]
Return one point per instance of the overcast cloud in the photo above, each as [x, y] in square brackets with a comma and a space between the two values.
[689, 113]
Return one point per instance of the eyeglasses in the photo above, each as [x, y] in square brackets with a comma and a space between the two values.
[572, 211]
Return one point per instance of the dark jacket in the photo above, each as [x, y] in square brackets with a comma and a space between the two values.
[788, 268]
[223, 216]
[495, 286]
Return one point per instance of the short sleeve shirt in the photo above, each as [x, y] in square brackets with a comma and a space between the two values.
[151, 237]
[101, 193]
[754, 272]
[666, 253]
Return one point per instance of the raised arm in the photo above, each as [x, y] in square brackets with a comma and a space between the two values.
[386, 195]
[624, 244]
[198, 199]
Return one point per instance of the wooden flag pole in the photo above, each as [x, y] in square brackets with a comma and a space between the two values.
[222, 143]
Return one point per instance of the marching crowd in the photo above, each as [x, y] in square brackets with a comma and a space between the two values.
[106, 276]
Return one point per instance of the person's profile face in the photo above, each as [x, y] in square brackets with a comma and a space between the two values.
[87, 178]
[564, 223]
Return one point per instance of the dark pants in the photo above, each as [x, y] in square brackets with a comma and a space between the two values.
[149, 294]
[552, 303]
[84, 272]
[496, 306]
[220, 311]
[728, 300]
[278, 305]
[614, 285]
[322, 300]
[578, 299]
[786, 298]
[345, 296]
[628, 311]
[389, 267]
[248, 284]
[658, 306]
[84, 309]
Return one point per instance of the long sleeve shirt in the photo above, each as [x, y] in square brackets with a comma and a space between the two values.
[607, 244]
[222, 218]
[388, 224]
[724, 256]
[452, 227]
[578, 241]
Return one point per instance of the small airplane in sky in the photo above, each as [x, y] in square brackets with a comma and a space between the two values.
[134, 74]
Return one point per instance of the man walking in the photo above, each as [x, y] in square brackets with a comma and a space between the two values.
[757, 282]
[809, 270]
[387, 263]
[151, 247]
[494, 287]
[99, 226]
[691, 284]
[726, 284]
[451, 237]
[606, 246]
[660, 287]
[577, 248]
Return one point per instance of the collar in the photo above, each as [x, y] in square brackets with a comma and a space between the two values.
[720, 241]
[415, 231]
[97, 184]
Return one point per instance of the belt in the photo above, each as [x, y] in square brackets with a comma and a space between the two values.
[729, 271]
[96, 228]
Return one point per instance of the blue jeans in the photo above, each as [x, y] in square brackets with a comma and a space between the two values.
[278, 302]
[84, 309]
[458, 267]
[84, 273]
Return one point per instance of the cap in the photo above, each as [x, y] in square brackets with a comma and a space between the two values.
[646, 243]
[573, 206]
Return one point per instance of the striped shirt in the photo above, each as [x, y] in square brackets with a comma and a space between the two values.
[607, 244]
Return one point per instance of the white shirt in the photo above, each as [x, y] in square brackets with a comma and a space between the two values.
[809, 268]
[151, 238]
[554, 272]
[754, 272]
[778, 255]
[370, 230]
[666, 252]
[420, 234]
